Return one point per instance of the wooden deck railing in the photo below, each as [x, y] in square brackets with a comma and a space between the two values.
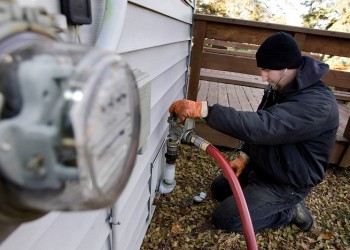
[229, 45]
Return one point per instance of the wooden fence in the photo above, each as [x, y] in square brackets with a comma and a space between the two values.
[223, 52]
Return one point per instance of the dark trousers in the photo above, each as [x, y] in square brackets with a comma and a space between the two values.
[270, 206]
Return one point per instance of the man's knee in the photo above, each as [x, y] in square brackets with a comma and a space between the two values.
[225, 217]
[220, 188]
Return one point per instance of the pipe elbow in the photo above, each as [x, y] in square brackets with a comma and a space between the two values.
[165, 188]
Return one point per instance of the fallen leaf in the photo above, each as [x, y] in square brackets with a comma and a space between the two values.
[175, 228]
[326, 235]
[304, 246]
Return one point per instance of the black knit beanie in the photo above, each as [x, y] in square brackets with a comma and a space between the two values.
[279, 51]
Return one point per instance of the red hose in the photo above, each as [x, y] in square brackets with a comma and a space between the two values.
[246, 221]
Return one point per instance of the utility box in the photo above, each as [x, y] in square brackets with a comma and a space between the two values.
[144, 87]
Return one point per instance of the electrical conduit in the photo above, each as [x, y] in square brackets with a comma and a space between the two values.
[112, 26]
[247, 225]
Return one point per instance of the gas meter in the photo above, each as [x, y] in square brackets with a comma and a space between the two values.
[69, 124]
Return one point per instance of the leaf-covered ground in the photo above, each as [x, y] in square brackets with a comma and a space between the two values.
[178, 223]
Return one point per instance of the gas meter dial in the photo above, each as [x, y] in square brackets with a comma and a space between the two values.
[69, 124]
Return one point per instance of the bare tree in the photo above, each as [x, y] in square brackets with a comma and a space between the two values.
[256, 10]
[327, 15]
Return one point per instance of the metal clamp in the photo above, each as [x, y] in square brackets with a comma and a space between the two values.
[15, 19]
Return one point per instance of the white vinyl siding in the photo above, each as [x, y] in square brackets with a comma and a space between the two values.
[176, 9]
[57, 231]
[150, 29]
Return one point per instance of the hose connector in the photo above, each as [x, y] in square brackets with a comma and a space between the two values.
[199, 142]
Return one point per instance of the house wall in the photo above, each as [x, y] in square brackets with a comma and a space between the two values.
[155, 41]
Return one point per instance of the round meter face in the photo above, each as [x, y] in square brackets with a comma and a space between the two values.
[70, 123]
[109, 126]
[106, 125]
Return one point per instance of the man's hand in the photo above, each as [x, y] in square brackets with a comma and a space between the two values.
[239, 163]
[189, 109]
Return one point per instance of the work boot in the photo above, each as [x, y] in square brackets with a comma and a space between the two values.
[302, 217]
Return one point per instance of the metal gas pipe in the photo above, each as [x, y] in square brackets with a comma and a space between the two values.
[185, 133]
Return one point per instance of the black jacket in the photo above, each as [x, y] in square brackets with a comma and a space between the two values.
[290, 137]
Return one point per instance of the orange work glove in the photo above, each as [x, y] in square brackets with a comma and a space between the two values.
[239, 163]
[189, 109]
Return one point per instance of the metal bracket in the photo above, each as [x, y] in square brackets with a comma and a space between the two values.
[113, 221]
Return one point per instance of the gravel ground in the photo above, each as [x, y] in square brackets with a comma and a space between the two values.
[178, 223]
